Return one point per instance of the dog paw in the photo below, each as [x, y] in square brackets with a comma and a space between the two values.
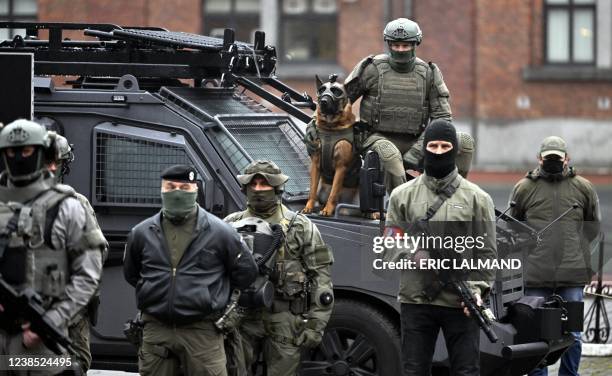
[328, 210]
[308, 208]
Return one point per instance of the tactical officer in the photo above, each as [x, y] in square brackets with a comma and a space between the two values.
[58, 163]
[463, 159]
[48, 242]
[399, 93]
[560, 264]
[439, 197]
[183, 263]
[300, 272]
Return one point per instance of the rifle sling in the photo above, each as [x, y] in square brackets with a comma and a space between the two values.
[445, 194]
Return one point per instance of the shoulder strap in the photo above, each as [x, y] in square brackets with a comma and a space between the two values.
[445, 194]
[44, 212]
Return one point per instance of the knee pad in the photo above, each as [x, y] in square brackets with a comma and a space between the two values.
[386, 150]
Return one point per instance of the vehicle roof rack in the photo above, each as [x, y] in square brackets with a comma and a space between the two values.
[140, 51]
[152, 52]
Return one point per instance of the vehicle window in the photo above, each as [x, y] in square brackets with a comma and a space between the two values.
[274, 138]
[128, 167]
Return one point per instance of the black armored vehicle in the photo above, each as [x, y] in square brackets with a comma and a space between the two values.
[133, 101]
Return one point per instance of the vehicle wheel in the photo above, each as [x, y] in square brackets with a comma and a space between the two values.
[359, 341]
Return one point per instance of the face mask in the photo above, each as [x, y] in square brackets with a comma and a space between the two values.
[402, 61]
[552, 166]
[439, 165]
[262, 203]
[24, 170]
[177, 204]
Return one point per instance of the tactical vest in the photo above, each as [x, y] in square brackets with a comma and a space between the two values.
[29, 259]
[329, 139]
[399, 104]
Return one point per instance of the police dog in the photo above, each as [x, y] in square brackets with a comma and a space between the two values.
[335, 163]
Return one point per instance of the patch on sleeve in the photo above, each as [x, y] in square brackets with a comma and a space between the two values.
[323, 255]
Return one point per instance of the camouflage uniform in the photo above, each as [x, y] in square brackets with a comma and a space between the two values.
[291, 324]
[79, 330]
[399, 96]
[59, 252]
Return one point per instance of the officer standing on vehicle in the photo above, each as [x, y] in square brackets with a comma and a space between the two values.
[560, 264]
[47, 243]
[399, 93]
[58, 163]
[303, 296]
[439, 197]
[183, 263]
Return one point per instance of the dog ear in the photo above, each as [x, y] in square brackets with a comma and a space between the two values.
[318, 82]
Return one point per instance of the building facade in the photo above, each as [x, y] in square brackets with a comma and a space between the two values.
[518, 70]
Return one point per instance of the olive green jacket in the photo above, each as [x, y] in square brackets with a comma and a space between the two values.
[304, 251]
[469, 205]
[562, 257]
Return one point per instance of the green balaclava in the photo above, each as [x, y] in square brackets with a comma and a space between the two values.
[402, 61]
[177, 204]
[262, 203]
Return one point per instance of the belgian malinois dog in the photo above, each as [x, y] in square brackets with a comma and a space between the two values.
[336, 161]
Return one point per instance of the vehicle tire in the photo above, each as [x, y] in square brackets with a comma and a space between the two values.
[359, 341]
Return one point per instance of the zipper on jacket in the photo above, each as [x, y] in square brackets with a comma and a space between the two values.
[171, 297]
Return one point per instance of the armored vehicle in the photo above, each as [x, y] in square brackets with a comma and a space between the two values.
[135, 100]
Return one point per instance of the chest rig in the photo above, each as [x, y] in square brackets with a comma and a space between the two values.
[27, 256]
[400, 102]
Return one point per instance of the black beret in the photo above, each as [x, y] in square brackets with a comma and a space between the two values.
[182, 173]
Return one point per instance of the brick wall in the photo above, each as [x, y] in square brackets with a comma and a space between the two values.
[509, 39]
[178, 15]
[448, 34]
[481, 46]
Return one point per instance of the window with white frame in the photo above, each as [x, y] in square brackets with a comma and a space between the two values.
[308, 30]
[240, 15]
[570, 31]
[17, 10]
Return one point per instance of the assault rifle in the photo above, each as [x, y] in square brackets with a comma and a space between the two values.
[27, 305]
[482, 315]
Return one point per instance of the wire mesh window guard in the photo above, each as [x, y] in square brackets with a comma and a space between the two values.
[128, 169]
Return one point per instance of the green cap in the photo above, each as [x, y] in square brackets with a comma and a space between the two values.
[553, 145]
[268, 169]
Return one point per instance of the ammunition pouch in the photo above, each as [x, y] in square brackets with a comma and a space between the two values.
[13, 265]
[296, 306]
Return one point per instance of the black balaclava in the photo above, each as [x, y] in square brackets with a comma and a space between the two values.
[24, 170]
[440, 165]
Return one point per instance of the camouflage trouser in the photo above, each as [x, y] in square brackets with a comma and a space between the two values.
[196, 348]
[79, 334]
[276, 335]
[13, 344]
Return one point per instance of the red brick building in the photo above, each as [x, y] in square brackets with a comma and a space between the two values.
[518, 70]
